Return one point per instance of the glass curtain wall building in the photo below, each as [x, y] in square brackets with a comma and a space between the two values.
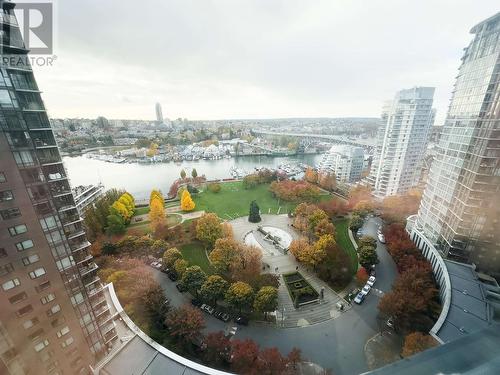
[460, 209]
[54, 318]
[402, 141]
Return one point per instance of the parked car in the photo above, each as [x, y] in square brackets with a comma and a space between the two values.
[196, 302]
[166, 270]
[172, 275]
[366, 289]
[241, 320]
[155, 264]
[390, 323]
[207, 308]
[371, 280]
[372, 272]
[381, 238]
[222, 316]
[359, 233]
[230, 331]
[353, 294]
[359, 298]
[181, 288]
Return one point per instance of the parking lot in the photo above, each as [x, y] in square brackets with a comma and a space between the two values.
[337, 343]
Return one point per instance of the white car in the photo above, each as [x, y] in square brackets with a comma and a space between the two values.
[359, 298]
[371, 281]
[381, 238]
[366, 289]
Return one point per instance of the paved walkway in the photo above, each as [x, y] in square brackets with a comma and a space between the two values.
[287, 315]
[188, 216]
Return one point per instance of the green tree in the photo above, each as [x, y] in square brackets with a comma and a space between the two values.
[367, 256]
[170, 256]
[239, 295]
[356, 222]
[214, 288]
[193, 278]
[266, 300]
[208, 229]
[194, 173]
[183, 174]
[254, 216]
[115, 224]
[367, 241]
[180, 266]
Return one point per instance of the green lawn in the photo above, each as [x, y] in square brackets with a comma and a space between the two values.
[141, 210]
[195, 254]
[343, 240]
[234, 201]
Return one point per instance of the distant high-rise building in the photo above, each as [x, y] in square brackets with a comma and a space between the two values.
[159, 113]
[54, 317]
[345, 161]
[402, 140]
[460, 210]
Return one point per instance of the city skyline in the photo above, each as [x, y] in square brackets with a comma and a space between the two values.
[275, 62]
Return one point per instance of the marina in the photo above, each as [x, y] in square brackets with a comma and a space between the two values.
[140, 178]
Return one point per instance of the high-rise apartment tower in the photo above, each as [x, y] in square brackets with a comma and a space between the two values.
[460, 210]
[402, 140]
[159, 113]
[54, 318]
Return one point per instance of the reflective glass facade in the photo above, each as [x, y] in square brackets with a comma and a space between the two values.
[459, 212]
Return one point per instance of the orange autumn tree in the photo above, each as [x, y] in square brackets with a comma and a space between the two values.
[187, 203]
[156, 209]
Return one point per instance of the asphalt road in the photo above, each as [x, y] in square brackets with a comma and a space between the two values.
[337, 344]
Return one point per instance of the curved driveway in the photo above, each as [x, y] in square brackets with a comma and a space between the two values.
[337, 344]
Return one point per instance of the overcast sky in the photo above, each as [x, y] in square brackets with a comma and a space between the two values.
[220, 59]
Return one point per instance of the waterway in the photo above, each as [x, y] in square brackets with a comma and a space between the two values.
[140, 179]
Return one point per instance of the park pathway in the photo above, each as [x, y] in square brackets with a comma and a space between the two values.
[287, 316]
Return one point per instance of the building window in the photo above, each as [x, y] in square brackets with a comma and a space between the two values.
[2, 177]
[67, 342]
[3, 253]
[18, 229]
[48, 298]
[49, 223]
[53, 310]
[25, 310]
[24, 245]
[6, 196]
[30, 323]
[63, 331]
[41, 345]
[37, 273]
[10, 213]
[6, 269]
[77, 299]
[18, 298]
[65, 263]
[11, 284]
[31, 259]
[24, 158]
[42, 286]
